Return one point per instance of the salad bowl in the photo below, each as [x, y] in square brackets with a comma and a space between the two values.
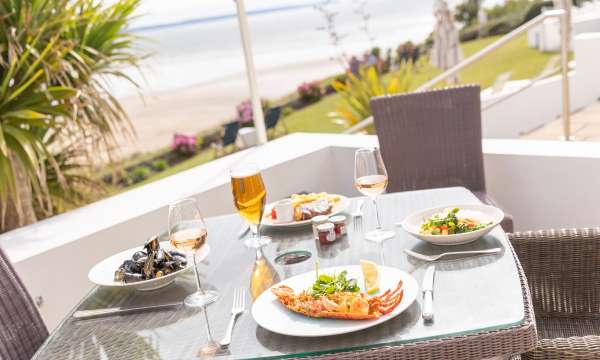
[488, 216]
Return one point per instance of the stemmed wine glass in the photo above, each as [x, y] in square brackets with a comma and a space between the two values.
[187, 233]
[370, 178]
[249, 196]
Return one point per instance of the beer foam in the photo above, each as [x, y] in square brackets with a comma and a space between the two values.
[243, 174]
[243, 171]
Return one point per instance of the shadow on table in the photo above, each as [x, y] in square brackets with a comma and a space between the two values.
[391, 330]
[459, 262]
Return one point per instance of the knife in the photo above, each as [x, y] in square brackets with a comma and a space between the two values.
[96, 313]
[428, 293]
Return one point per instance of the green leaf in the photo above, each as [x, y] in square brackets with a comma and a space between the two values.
[3, 147]
[25, 114]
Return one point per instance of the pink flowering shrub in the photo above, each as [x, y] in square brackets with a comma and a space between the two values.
[184, 144]
[310, 92]
[244, 110]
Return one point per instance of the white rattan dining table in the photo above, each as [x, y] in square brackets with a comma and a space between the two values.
[481, 304]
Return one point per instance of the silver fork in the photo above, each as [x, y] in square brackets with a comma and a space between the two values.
[437, 257]
[239, 299]
[357, 215]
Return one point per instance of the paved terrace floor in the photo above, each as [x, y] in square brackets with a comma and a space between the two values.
[585, 126]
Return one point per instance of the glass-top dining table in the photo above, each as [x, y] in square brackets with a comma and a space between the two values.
[481, 303]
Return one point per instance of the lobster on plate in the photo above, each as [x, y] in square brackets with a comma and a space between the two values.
[340, 305]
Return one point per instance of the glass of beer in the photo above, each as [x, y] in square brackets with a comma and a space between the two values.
[187, 234]
[249, 196]
[370, 178]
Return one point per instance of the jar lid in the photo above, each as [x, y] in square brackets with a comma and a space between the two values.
[325, 227]
[337, 219]
[320, 219]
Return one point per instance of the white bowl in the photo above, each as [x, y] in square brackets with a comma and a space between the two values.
[103, 273]
[412, 224]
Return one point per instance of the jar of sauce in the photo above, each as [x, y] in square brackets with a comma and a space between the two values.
[326, 233]
[316, 221]
[339, 225]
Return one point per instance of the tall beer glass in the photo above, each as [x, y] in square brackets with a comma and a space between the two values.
[249, 196]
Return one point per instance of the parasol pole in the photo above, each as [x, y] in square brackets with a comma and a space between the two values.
[258, 116]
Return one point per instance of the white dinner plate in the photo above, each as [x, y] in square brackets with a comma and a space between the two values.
[338, 207]
[412, 224]
[269, 313]
[103, 273]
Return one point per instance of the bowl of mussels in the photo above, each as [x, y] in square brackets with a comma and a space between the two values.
[152, 266]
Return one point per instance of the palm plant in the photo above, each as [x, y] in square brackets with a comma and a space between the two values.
[55, 107]
[357, 91]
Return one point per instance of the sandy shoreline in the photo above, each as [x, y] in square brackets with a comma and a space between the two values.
[193, 109]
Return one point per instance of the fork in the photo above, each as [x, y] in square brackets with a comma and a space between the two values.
[357, 215]
[437, 257]
[239, 299]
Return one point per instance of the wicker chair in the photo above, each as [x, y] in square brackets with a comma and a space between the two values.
[563, 271]
[22, 330]
[432, 139]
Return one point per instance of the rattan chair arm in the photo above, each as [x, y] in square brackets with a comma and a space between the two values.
[574, 348]
[561, 267]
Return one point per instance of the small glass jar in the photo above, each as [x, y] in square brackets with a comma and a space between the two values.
[325, 233]
[339, 225]
[316, 221]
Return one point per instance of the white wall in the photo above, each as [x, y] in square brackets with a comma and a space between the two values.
[542, 184]
[542, 102]
[546, 36]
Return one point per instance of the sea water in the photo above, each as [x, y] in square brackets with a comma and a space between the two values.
[198, 41]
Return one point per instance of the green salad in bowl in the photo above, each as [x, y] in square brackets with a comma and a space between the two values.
[454, 221]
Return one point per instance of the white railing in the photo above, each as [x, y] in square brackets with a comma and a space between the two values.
[562, 14]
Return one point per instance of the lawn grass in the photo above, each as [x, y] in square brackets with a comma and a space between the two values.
[514, 56]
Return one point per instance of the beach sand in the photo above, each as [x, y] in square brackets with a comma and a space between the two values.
[190, 110]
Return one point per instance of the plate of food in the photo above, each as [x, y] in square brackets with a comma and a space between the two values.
[453, 225]
[336, 300]
[299, 209]
[148, 267]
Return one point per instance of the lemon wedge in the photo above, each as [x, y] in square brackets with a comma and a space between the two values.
[371, 275]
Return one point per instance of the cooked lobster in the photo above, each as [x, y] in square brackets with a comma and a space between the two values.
[341, 305]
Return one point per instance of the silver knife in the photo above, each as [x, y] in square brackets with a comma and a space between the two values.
[96, 313]
[428, 293]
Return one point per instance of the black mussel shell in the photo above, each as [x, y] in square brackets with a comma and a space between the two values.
[149, 267]
[168, 256]
[174, 253]
[131, 266]
[152, 245]
[131, 278]
[138, 255]
[180, 260]
[141, 261]
[159, 258]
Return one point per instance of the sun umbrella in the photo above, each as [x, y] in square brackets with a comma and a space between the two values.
[446, 51]
[259, 121]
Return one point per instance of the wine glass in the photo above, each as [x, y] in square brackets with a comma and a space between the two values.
[187, 234]
[249, 196]
[370, 178]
